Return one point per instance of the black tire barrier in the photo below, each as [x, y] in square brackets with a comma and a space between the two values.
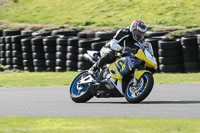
[13, 32]
[49, 49]
[8, 54]
[98, 45]
[37, 34]
[50, 56]
[27, 49]
[60, 48]
[30, 69]
[72, 49]
[72, 56]
[71, 65]
[38, 55]
[27, 63]
[26, 32]
[50, 69]
[60, 55]
[39, 63]
[60, 69]
[86, 35]
[37, 41]
[190, 53]
[169, 44]
[61, 63]
[18, 67]
[175, 68]
[26, 41]
[8, 47]
[105, 36]
[2, 47]
[74, 41]
[81, 57]
[50, 63]
[86, 43]
[170, 60]
[84, 65]
[155, 33]
[50, 41]
[39, 69]
[37, 48]
[63, 41]
[17, 39]
[65, 33]
[17, 54]
[9, 61]
[27, 56]
[82, 50]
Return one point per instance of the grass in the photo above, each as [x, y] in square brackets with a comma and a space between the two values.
[103, 12]
[26, 79]
[98, 125]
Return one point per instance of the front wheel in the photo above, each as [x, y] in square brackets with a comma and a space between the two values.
[80, 93]
[135, 93]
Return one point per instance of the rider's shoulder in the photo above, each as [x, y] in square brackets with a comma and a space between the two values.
[122, 33]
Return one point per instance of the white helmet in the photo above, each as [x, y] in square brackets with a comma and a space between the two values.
[138, 29]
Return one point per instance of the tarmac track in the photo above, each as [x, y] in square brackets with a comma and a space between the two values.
[165, 100]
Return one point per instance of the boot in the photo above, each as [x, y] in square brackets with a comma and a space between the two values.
[94, 68]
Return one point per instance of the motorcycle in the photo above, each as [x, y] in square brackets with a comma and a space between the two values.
[118, 79]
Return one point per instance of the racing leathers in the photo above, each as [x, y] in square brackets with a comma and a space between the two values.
[122, 39]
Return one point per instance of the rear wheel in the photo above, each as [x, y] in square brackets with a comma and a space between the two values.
[80, 93]
[135, 93]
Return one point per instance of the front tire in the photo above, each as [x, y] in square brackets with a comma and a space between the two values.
[137, 93]
[80, 93]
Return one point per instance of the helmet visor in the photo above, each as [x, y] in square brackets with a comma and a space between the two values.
[138, 35]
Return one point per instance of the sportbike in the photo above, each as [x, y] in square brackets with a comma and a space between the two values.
[119, 79]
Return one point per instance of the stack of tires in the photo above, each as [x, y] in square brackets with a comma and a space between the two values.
[39, 62]
[2, 51]
[85, 34]
[61, 51]
[105, 36]
[199, 48]
[85, 45]
[49, 43]
[190, 53]
[8, 46]
[170, 56]
[27, 57]
[8, 52]
[17, 52]
[72, 54]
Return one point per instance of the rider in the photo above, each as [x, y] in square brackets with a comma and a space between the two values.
[134, 34]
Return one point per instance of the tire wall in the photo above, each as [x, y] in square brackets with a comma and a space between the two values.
[59, 51]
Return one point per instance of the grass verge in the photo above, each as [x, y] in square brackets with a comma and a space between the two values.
[98, 125]
[25, 79]
[102, 12]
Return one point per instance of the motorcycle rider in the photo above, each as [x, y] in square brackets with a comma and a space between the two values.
[131, 36]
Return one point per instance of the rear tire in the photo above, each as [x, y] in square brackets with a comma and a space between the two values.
[80, 95]
[142, 92]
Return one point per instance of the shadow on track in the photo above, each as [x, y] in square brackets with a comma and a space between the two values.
[150, 102]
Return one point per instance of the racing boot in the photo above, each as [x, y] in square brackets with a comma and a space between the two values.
[93, 69]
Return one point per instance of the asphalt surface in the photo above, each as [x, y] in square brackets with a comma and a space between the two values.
[166, 100]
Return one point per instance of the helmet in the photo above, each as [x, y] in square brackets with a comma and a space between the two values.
[138, 29]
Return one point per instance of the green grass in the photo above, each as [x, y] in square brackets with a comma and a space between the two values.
[103, 12]
[65, 78]
[98, 125]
